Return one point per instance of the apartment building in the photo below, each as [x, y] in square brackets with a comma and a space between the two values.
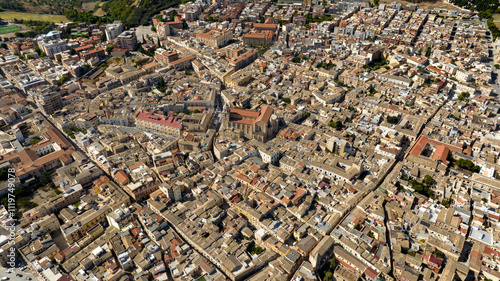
[127, 40]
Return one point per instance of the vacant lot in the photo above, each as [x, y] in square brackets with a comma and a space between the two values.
[9, 28]
[10, 15]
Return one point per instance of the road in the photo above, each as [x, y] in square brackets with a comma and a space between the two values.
[13, 275]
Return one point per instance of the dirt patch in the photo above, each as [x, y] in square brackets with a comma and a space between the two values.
[99, 13]
[115, 60]
[426, 5]
[496, 19]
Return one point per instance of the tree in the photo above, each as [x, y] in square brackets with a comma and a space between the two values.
[439, 254]
[171, 17]
[420, 188]
[35, 140]
[328, 276]
[446, 203]
[467, 165]
[463, 96]
[286, 100]
[376, 2]
[392, 119]
[428, 52]
[153, 28]
[63, 79]
[429, 181]
[497, 66]
[109, 49]
[337, 124]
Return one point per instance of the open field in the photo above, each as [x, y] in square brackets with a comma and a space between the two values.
[496, 19]
[100, 12]
[10, 15]
[21, 28]
[426, 5]
[89, 6]
[9, 28]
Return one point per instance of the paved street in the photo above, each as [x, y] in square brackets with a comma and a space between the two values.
[13, 276]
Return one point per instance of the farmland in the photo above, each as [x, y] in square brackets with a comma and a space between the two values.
[10, 15]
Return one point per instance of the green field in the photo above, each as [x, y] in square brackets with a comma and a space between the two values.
[9, 28]
[10, 15]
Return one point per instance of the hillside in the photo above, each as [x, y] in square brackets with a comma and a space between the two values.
[41, 6]
[135, 12]
[130, 12]
[479, 5]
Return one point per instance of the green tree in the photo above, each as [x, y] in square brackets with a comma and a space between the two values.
[439, 254]
[467, 165]
[463, 96]
[35, 140]
[428, 52]
[392, 119]
[109, 49]
[63, 79]
[286, 100]
[328, 276]
[429, 181]
[337, 124]
[446, 203]
[171, 17]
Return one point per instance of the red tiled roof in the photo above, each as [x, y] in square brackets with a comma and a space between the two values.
[170, 121]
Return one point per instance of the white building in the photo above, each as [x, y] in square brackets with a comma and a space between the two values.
[53, 35]
[119, 218]
[450, 68]
[113, 30]
[52, 47]
[463, 75]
